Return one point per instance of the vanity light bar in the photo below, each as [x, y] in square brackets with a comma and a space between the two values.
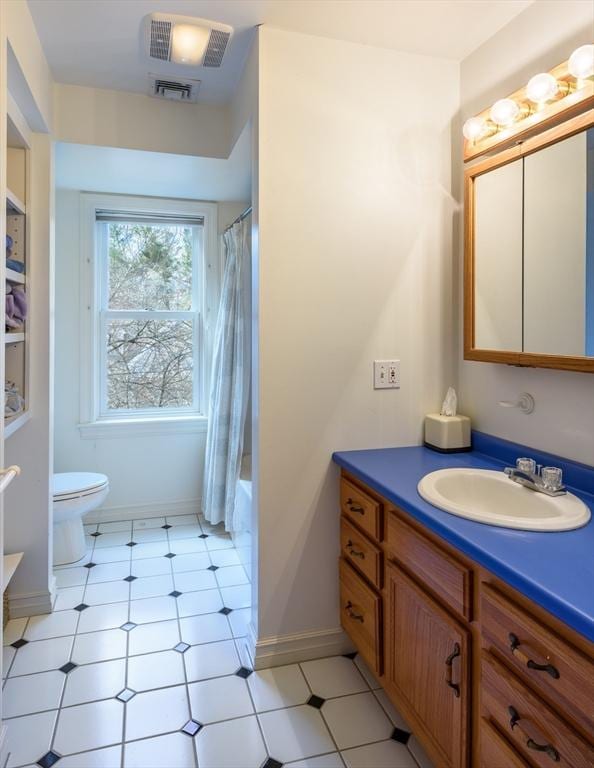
[567, 87]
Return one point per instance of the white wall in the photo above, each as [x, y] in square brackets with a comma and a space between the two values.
[355, 249]
[535, 41]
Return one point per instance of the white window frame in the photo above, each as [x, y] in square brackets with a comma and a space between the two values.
[95, 420]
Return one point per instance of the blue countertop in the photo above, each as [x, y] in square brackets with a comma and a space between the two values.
[555, 570]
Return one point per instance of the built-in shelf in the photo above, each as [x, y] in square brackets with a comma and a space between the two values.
[15, 277]
[14, 423]
[14, 204]
[9, 565]
[13, 338]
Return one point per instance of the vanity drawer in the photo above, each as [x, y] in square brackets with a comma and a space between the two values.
[361, 553]
[448, 578]
[538, 734]
[496, 752]
[360, 616]
[554, 667]
[361, 508]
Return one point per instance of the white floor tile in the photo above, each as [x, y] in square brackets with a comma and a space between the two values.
[218, 542]
[223, 698]
[155, 670]
[90, 527]
[156, 712]
[356, 720]
[184, 532]
[175, 750]
[108, 757]
[99, 646]
[28, 738]
[152, 549]
[51, 625]
[151, 586]
[211, 660]
[95, 681]
[115, 539]
[195, 561]
[147, 535]
[41, 656]
[293, 734]
[186, 546]
[333, 760]
[13, 631]
[103, 617]
[205, 629]
[8, 655]
[196, 603]
[391, 711]
[336, 676]
[193, 581]
[152, 609]
[32, 693]
[231, 576]
[278, 687]
[71, 577]
[111, 554]
[419, 753]
[89, 726]
[237, 597]
[224, 557]
[148, 522]
[385, 754]
[109, 572]
[147, 638]
[117, 525]
[239, 621]
[151, 566]
[232, 744]
[367, 673]
[107, 592]
[86, 558]
[176, 520]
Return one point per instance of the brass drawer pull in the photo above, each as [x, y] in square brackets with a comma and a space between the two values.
[514, 646]
[353, 552]
[355, 508]
[549, 749]
[449, 664]
[355, 616]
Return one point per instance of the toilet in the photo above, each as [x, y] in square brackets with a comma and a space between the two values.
[75, 494]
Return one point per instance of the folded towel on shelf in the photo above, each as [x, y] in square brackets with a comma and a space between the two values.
[14, 403]
[16, 266]
[15, 307]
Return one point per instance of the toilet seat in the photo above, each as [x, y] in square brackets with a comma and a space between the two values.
[76, 485]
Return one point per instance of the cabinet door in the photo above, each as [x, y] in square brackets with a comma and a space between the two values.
[427, 666]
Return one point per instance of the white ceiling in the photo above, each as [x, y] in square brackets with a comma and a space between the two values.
[97, 42]
[134, 172]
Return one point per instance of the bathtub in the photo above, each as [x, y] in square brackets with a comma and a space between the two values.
[242, 519]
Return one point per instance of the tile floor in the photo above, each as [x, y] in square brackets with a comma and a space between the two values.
[143, 665]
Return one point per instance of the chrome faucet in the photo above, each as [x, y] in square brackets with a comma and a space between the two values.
[547, 480]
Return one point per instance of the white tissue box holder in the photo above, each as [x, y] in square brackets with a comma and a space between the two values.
[447, 434]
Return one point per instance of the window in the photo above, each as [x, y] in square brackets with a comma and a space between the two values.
[146, 280]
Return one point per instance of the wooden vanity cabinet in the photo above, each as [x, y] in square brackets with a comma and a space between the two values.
[483, 676]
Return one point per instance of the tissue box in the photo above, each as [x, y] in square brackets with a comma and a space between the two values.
[447, 434]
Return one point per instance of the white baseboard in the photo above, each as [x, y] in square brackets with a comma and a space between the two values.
[290, 649]
[140, 511]
[32, 603]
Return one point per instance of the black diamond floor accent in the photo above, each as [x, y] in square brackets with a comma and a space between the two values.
[316, 701]
[66, 668]
[49, 759]
[19, 643]
[90, 565]
[97, 533]
[272, 763]
[191, 727]
[130, 578]
[126, 695]
[213, 568]
[181, 647]
[131, 544]
[175, 593]
[203, 536]
[128, 626]
[400, 736]
[244, 672]
[350, 655]
[170, 555]
[225, 611]
[166, 527]
[81, 607]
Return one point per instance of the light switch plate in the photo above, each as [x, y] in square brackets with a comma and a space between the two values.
[386, 374]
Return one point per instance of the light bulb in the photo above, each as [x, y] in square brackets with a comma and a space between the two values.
[581, 62]
[474, 128]
[188, 44]
[541, 87]
[504, 112]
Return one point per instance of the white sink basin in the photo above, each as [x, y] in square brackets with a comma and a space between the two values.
[487, 496]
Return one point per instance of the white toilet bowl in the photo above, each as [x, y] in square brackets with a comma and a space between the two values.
[75, 494]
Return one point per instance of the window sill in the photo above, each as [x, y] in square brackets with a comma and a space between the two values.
[175, 425]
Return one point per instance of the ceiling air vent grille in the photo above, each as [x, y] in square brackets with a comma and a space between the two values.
[175, 90]
[217, 45]
[160, 39]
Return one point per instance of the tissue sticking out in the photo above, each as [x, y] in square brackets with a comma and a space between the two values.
[450, 404]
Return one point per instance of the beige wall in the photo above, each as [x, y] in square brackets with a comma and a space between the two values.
[542, 36]
[355, 257]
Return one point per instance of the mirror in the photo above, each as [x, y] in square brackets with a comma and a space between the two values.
[530, 252]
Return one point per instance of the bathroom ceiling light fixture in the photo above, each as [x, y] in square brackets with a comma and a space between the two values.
[185, 40]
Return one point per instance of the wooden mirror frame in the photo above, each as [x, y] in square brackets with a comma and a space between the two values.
[525, 359]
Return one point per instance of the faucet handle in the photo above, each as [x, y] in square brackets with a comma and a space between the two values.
[526, 465]
[552, 478]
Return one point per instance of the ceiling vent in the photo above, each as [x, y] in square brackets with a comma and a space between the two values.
[185, 40]
[175, 90]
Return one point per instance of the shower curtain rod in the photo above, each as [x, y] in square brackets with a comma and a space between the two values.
[241, 217]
